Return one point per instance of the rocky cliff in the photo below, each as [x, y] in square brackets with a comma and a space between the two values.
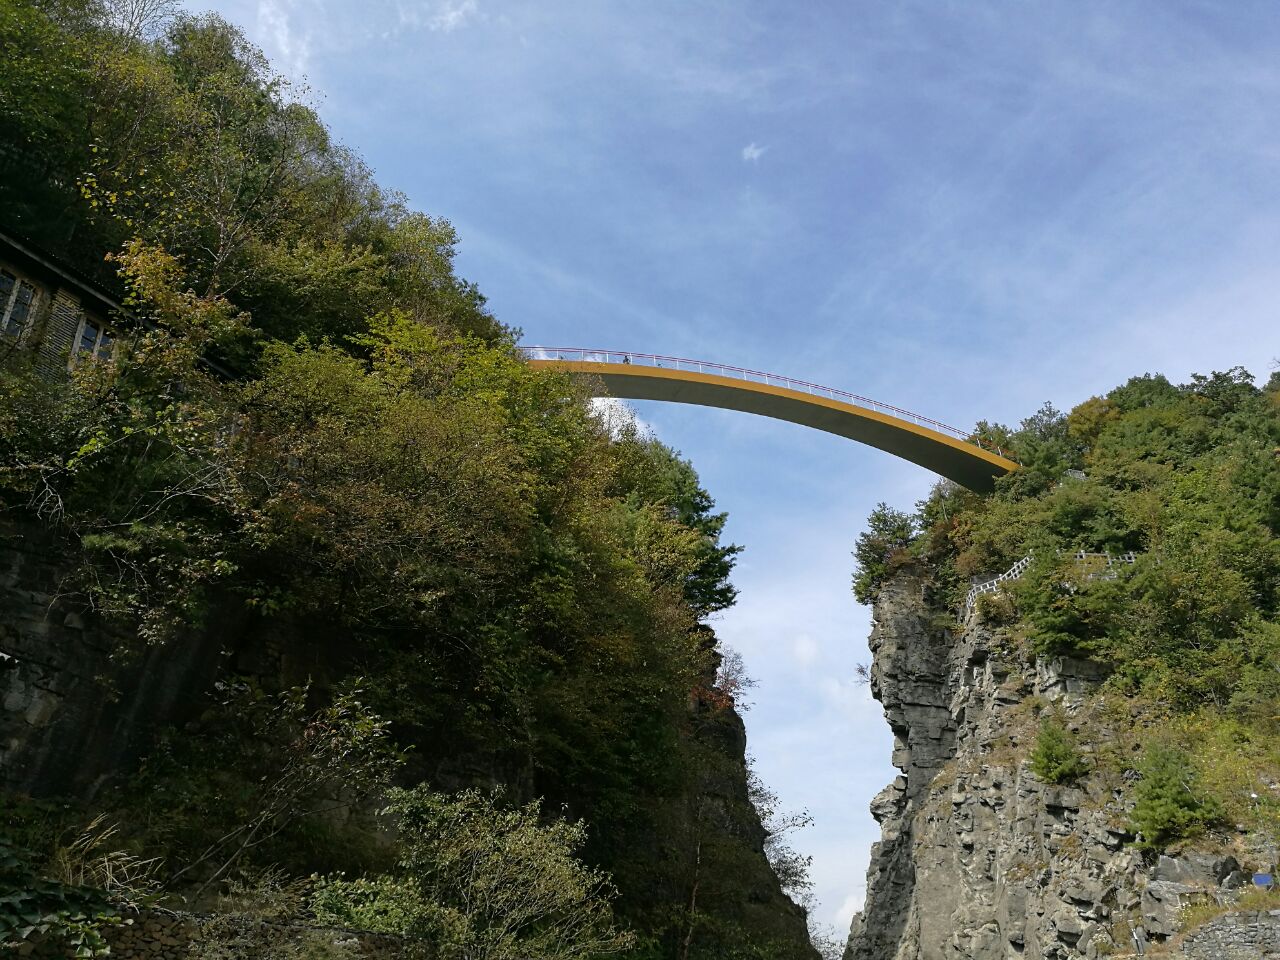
[77, 715]
[79, 704]
[71, 713]
[979, 859]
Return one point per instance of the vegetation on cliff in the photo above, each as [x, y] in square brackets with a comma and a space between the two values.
[314, 428]
[1056, 758]
[1187, 478]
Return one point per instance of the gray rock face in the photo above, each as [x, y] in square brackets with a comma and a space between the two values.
[979, 859]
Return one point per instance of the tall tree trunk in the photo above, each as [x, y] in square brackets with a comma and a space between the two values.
[693, 900]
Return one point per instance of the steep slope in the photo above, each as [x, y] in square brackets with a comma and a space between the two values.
[302, 526]
[76, 721]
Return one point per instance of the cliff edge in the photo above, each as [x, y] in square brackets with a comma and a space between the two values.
[979, 858]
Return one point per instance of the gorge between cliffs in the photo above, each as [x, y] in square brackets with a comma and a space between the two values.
[339, 620]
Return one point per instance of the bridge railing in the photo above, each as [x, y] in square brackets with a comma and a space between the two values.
[582, 354]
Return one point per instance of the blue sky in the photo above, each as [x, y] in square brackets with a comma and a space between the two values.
[962, 208]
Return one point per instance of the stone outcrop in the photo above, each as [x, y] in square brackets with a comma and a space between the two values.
[979, 859]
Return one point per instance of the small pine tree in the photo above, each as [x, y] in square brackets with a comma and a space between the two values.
[1056, 759]
[1168, 803]
[888, 533]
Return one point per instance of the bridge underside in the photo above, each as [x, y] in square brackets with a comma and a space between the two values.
[967, 464]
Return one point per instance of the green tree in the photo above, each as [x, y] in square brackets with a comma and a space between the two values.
[1169, 804]
[1087, 420]
[1045, 448]
[1056, 758]
[46, 70]
[1144, 391]
[888, 535]
[648, 472]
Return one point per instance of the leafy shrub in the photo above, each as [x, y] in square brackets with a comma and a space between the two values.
[386, 904]
[1237, 763]
[996, 608]
[484, 881]
[40, 910]
[238, 788]
[1056, 759]
[1169, 804]
[1256, 697]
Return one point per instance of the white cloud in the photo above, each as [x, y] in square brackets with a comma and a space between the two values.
[451, 15]
[616, 416]
[752, 152]
[442, 16]
[851, 905]
[804, 649]
[289, 47]
[637, 317]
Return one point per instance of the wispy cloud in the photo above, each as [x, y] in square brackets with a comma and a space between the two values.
[442, 16]
[289, 45]
[848, 907]
[752, 152]
[804, 649]
[451, 15]
[617, 416]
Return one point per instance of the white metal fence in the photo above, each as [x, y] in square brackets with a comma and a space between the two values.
[1104, 567]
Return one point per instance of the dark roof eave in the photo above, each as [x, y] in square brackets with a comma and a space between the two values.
[51, 266]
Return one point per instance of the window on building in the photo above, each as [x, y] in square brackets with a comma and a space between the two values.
[95, 339]
[89, 334]
[17, 298]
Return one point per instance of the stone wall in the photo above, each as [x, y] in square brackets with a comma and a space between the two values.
[165, 935]
[1248, 935]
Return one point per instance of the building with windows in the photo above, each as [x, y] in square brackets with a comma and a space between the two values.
[48, 310]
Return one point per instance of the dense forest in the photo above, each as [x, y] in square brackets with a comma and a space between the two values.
[1185, 481]
[314, 426]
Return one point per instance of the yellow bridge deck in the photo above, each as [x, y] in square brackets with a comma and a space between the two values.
[932, 445]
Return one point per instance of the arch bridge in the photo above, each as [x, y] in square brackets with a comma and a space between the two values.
[945, 450]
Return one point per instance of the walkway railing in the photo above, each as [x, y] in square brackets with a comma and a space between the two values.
[1100, 566]
[623, 357]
